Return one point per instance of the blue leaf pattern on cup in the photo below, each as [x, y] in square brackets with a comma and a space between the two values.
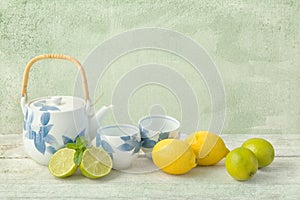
[148, 143]
[144, 132]
[111, 155]
[163, 136]
[98, 140]
[137, 147]
[131, 142]
[125, 138]
[107, 147]
[125, 147]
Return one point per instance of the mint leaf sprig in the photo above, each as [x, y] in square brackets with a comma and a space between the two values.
[79, 146]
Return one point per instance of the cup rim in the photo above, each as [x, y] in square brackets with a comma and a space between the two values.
[159, 116]
[113, 126]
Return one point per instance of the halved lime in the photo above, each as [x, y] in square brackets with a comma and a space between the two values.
[96, 163]
[61, 164]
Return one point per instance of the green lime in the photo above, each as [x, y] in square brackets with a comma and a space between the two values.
[262, 149]
[61, 163]
[95, 163]
[241, 163]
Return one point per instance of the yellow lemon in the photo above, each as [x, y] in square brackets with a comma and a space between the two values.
[241, 164]
[173, 156]
[262, 149]
[209, 147]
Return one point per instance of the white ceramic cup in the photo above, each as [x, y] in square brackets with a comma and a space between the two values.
[155, 128]
[122, 142]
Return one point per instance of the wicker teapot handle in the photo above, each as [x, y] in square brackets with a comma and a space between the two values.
[54, 56]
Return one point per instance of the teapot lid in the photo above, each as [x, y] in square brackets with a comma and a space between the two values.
[56, 103]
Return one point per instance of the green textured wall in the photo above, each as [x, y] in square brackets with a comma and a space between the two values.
[255, 45]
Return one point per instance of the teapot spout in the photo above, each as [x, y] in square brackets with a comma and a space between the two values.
[96, 119]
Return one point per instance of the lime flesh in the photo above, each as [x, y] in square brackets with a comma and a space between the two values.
[95, 163]
[61, 164]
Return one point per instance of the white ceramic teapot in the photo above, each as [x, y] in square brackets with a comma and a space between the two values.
[51, 122]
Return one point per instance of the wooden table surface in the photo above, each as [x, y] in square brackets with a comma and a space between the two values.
[21, 177]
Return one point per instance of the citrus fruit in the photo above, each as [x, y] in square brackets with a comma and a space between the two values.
[61, 163]
[95, 163]
[208, 147]
[173, 156]
[262, 149]
[241, 163]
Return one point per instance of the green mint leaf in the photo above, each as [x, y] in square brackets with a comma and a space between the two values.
[81, 142]
[78, 157]
[84, 142]
[75, 159]
[71, 146]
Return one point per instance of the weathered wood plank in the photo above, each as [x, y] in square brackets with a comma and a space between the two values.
[21, 177]
[25, 178]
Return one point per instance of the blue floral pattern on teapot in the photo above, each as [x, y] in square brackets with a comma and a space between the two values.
[42, 136]
[44, 106]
